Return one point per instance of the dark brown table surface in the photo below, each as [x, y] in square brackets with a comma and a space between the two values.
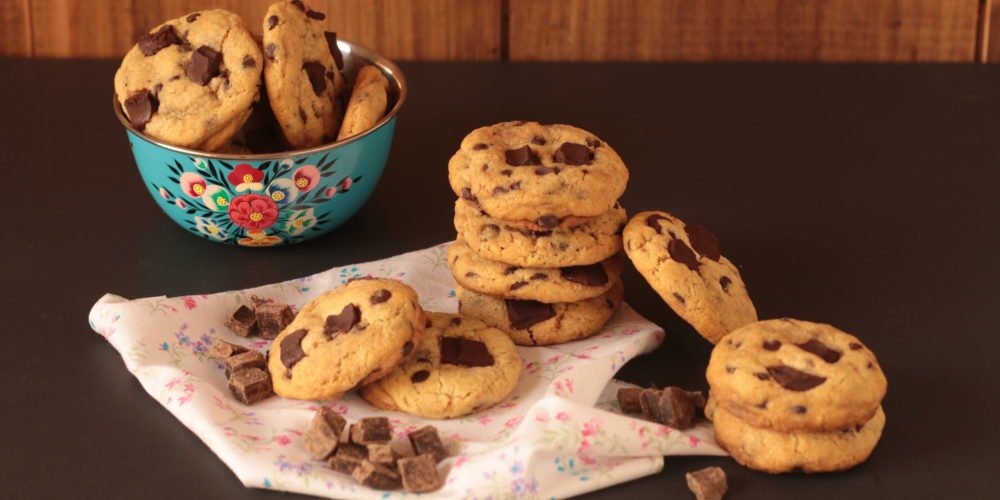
[863, 196]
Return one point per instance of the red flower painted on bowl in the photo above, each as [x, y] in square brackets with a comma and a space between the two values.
[246, 178]
[193, 184]
[253, 211]
[306, 177]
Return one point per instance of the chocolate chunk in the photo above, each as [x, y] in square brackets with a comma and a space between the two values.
[193, 17]
[762, 376]
[204, 65]
[677, 408]
[515, 186]
[250, 385]
[426, 440]
[855, 346]
[272, 318]
[591, 275]
[456, 321]
[594, 143]
[381, 453]
[573, 154]
[312, 14]
[243, 322]
[249, 61]
[707, 484]
[539, 276]
[371, 430]
[680, 298]
[649, 400]
[538, 140]
[467, 195]
[507, 172]
[703, 241]
[380, 296]
[420, 474]
[546, 170]
[548, 221]
[653, 221]
[524, 314]
[258, 301]
[465, 352]
[419, 376]
[407, 348]
[331, 42]
[151, 43]
[499, 190]
[772, 345]
[298, 3]
[315, 71]
[349, 316]
[510, 270]
[794, 380]
[376, 476]
[221, 350]
[302, 114]
[680, 252]
[479, 146]
[269, 51]
[291, 348]
[730, 369]
[348, 457]
[798, 410]
[323, 435]
[628, 399]
[518, 284]
[470, 274]
[820, 349]
[244, 360]
[272, 22]
[140, 108]
[724, 282]
[521, 157]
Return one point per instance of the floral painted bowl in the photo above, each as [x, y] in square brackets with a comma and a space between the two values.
[271, 199]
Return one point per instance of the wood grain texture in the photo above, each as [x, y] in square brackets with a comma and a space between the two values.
[744, 30]
[399, 29]
[990, 32]
[15, 37]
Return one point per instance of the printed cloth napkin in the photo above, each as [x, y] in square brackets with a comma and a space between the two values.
[560, 433]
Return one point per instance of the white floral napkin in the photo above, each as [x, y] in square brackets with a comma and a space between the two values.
[560, 433]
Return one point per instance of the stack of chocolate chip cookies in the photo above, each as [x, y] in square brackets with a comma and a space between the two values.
[539, 230]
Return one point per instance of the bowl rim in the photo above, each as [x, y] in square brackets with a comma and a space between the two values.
[370, 55]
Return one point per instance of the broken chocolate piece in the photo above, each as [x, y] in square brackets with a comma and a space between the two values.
[573, 154]
[822, 350]
[151, 43]
[521, 157]
[420, 474]
[291, 348]
[258, 301]
[376, 476]
[315, 72]
[653, 221]
[272, 318]
[349, 316]
[707, 484]
[794, 380]
[243, 322]
[628, 399]
[204, 65]
[221, 350]
[680, 252]
[677, 408]
[703, 241]
[323, 435]
[245, 360]
[250, 386]
[371, 430]
[348, 457]
[426, 440]
[465, 352]
[381, 453]
[592, 275]
[524, 314]
[140, 108]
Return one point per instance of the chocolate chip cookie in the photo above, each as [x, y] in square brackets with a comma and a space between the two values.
[529, 322]
[683, 264]
[302, 73]
[460, 366]
[791, 375]
[191, 81]
[344, 338]
[776, 452]
[527, 171]
[368, 102]
[589, 242]
[567, 284]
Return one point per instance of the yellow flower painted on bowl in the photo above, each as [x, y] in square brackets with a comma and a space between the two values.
[258, 238]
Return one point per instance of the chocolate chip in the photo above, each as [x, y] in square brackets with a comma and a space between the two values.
[499, 190]
[524, 314]
[724, 282]
[822, 350]
[855, 346]
[680, 252]
[772, 345]
[703, 241]
[419, 376]
[594, 143]
[871, 366]
[291, 348]
[312, 14]
[517, 285]
[592, 275]
[250, 385]
[506, 172]
[730, 369]
[456, 321]
[140, 108]
[302, 115]
[270, 51]
[298, 3]
[762, 376]
[798, 409]
[380, 296]
[546, 170]
[464, 352]
[249, 61]
[204, 65]
[653, 221]
[243, 322]
[539, 276]
[548, 221]
[221, 350]
[349, 316]
[193, 17]
[470, 274]
[426, 440]
[467, 195]
[315, 72]
[628, 399]
[479, 146]
[331, 43]
[573, 154]
[407, 348]
[225, 79]
[538, 140]
[420, 474]
[680, 298]
[794, 380]
[272, 22]
[515, 186]
[151, 43]
[521, 157]
[510, 270]
[272, 318]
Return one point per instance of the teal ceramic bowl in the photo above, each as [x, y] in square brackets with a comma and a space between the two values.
[275, 198]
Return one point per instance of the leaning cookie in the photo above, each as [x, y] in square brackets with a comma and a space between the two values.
[460, 366]
[344, 338]
[776, 452]
[567, 284]
[683, 264]
[302, 73]
[367, 104]
[191, 81]
[529, 322]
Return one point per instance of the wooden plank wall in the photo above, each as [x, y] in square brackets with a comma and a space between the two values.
[576, 30]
